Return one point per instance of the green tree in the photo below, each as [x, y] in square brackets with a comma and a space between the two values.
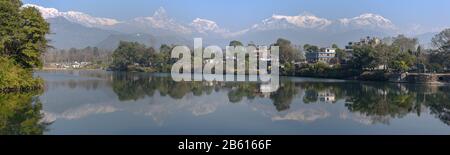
[365, 57]
[235, 43]
[128, 53]
[405, 44]
[24, 32]
[442, 40]
[403, 61]
[287, 52]
[386, 54]
[162, 60]
[438, 59]
[22, 42]
[310, 48]
[341, 54]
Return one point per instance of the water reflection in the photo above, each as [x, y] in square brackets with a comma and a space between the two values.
[88, 94]
[20, 114]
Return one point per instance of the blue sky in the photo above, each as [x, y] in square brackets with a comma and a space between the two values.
[238, 14]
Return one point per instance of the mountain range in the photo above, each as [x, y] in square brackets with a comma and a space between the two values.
[78, 30]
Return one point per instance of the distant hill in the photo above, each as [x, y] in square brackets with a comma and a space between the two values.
[309, 36]
[112, 41]
[425, 39]
[66, 34]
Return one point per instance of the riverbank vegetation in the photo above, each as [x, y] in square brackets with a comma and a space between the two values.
[363, 61]
[22, 43]
[132, 56]
[91, 57]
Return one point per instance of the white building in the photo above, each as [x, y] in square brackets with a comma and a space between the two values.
[324, 55]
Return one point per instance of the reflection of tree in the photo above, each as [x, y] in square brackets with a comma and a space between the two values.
[439, 104]
[20, 114]
[391, 105]
[311, 96]
[129, 87]
[373, 100]
[283, 97]
[240, 90]
[135, 86]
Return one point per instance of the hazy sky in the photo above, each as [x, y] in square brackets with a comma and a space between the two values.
[424, 15]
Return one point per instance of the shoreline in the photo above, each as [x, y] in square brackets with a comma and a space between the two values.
[354, 78]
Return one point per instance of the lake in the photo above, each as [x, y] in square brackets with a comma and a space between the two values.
[113, 103]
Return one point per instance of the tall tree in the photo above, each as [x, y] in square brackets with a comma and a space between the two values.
[310, 48]
[439, 59]
[365, 57]
[442, 40]
[127, 54]
[235, 43]
[405, 44]
[23, 33]
[287, 52]
[22, 42]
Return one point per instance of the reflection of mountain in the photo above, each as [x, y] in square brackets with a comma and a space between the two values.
[80, 112]
[304, 115]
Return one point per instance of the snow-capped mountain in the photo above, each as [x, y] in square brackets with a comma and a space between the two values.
[307, 28]
[308, 21]
[207, 26]
[368, 20]
[74, 16]
[290, 22]
[300, 29]
[159, 21]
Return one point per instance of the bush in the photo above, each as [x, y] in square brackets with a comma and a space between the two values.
[323, 70]
[374, 76]
[15, 78]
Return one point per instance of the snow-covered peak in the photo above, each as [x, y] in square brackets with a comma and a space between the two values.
[89, 20]
[305, 21]
[160, 13]
[73, 16]
[160, 20]
[205, 26]
[299, 21]
[46, 12]
[368, 20]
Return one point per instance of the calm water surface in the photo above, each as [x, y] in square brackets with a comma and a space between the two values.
[99, 102]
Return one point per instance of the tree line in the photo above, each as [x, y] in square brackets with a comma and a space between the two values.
[133, 56]
[89, 54]
[393, 55]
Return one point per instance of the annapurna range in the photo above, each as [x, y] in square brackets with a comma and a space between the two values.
[78, 30]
